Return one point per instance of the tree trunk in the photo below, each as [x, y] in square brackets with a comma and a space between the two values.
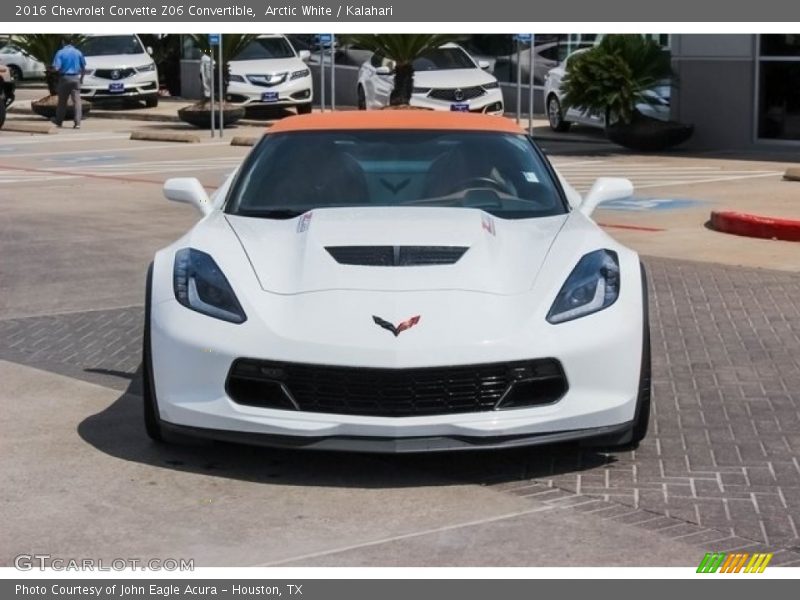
[51, 79]
[403, 85]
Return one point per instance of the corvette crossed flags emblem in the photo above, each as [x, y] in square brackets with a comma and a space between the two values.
[400, 328]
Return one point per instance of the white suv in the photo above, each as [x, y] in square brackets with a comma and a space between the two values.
[270, 72]
[446, 78]
[119, 66]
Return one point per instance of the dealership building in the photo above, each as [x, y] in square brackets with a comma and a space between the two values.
[738, 90]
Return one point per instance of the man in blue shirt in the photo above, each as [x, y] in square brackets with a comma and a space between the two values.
[71, 66]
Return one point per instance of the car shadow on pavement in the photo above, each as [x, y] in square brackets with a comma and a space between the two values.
[118, 431]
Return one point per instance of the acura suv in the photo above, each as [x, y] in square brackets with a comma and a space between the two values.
[119, 66]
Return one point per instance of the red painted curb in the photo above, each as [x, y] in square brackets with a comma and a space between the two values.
[754, 226]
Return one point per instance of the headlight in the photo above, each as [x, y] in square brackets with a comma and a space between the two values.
[592, 286]
[490, 86]
[200, 285]
[420, 90]
[300, 74]
[145, 68]
[238, 78]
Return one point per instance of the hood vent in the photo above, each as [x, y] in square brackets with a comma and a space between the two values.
[396, 256]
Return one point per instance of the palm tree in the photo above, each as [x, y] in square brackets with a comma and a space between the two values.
[403, 49]
[615, 76]
[43, 47]
[232, 46]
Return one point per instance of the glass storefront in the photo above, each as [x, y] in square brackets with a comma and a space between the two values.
[779, 87]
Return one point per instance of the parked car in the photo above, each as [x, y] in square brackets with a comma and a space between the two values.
[546, 56]
[396, 281]
[561, 119]
[21, 65]
[269, 71]
[119, 66]
[446, 78]
[6, 92]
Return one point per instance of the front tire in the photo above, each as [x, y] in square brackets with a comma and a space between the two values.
[152, 422]
[151, 101]
[304, 109]
[555, 115]
[16, 72]
[641, 419]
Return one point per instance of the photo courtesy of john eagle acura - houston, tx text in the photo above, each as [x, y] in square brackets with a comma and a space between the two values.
[431, 284]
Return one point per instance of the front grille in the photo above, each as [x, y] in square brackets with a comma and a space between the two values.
[114, 74]
[396, 256]
[270, 80]
[396, 392]
[457, 94]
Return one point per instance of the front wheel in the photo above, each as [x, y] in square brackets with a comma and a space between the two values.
[304, 109]
[16, 72]
[2, 108]
[555, 116]
[151, 101]
[152, 422]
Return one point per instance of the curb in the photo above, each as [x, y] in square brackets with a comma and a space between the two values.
[755, 226]
[792, 174]
[45, 128]
[244, 140]
[165, 136]
[125, 115]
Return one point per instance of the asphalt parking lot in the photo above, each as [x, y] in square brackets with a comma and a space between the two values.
[83, 214]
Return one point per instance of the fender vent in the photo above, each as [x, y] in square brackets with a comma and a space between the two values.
[396, 256]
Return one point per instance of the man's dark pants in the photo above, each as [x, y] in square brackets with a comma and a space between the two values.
[69, 86]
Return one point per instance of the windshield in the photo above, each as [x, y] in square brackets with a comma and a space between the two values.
[109, 45]
[262, 48]
[443, 58]
[290, 173]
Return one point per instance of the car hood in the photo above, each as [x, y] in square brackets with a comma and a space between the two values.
[266, 65]
[290, 256]
[451, 78]
[117, 61]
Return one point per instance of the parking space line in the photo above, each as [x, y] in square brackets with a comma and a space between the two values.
[63, 174]
[406, 536]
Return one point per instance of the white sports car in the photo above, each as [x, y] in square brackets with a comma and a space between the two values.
[396, 281]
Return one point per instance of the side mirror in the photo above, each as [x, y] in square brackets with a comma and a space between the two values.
[304, 55]
[149, 50]
[484, 64]
[604, 190]
[383, 70]
[188, 190]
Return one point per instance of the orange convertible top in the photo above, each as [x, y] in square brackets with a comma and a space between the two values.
[396, 119]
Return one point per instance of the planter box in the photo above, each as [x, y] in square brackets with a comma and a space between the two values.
[649, 135]
[199, 115]
[46, 107]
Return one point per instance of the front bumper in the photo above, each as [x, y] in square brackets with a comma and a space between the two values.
[600, 355]
[491, 102]
[289, 93]
[135, 86]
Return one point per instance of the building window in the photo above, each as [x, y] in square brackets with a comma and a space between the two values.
[779, 87]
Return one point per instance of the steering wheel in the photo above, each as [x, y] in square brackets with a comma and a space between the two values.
[482, 182]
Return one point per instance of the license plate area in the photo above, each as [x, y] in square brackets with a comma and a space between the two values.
[460, 107]
[116, 88]
[269, 97]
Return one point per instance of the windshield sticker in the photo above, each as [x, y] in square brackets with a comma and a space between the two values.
[304, 222]
[530, 177]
